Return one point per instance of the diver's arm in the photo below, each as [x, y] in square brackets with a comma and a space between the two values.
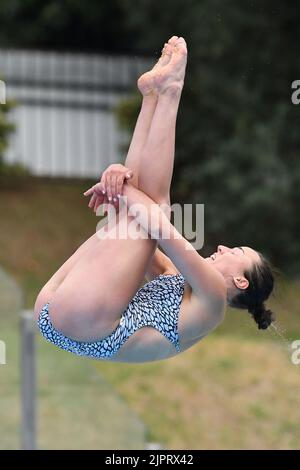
[205, 281]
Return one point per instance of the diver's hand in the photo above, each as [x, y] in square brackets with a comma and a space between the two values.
[113, 179]
[110, 187]
[98, 196]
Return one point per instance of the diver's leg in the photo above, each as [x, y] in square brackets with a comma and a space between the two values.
[147, 88]
[88, 304]
[157, 157]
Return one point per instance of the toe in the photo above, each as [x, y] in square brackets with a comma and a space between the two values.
[181, 44]
[168, 49]
[180, 41]
[164, 48]
[166, 55]
[172, 40]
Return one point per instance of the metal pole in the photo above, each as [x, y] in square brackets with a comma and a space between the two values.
[28, 381]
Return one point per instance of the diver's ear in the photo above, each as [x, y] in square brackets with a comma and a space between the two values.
[241, 282]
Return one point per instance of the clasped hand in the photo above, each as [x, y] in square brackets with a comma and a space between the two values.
[110, 187]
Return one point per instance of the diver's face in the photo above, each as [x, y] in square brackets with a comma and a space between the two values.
[233, 262]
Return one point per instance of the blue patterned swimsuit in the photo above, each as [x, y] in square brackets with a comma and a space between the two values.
[156, 304]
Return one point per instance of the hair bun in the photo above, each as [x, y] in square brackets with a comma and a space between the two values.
[263, 317]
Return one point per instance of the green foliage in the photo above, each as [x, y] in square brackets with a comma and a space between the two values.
[65, 24]
[12, 176]
[126, 112]
[6, 128]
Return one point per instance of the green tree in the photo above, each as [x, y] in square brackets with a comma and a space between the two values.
[12, 176]
[94, 25]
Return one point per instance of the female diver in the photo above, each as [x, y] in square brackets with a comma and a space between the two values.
[94, 304]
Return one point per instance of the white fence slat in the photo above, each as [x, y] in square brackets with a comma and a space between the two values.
[64, 118]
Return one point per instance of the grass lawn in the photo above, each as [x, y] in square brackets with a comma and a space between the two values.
[235, 389]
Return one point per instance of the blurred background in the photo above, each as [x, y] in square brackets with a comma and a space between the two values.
[70, 70]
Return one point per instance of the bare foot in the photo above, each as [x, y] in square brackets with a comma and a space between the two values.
[146, 82]
[170, 78]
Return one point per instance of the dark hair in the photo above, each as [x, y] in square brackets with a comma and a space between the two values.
[261, 283]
